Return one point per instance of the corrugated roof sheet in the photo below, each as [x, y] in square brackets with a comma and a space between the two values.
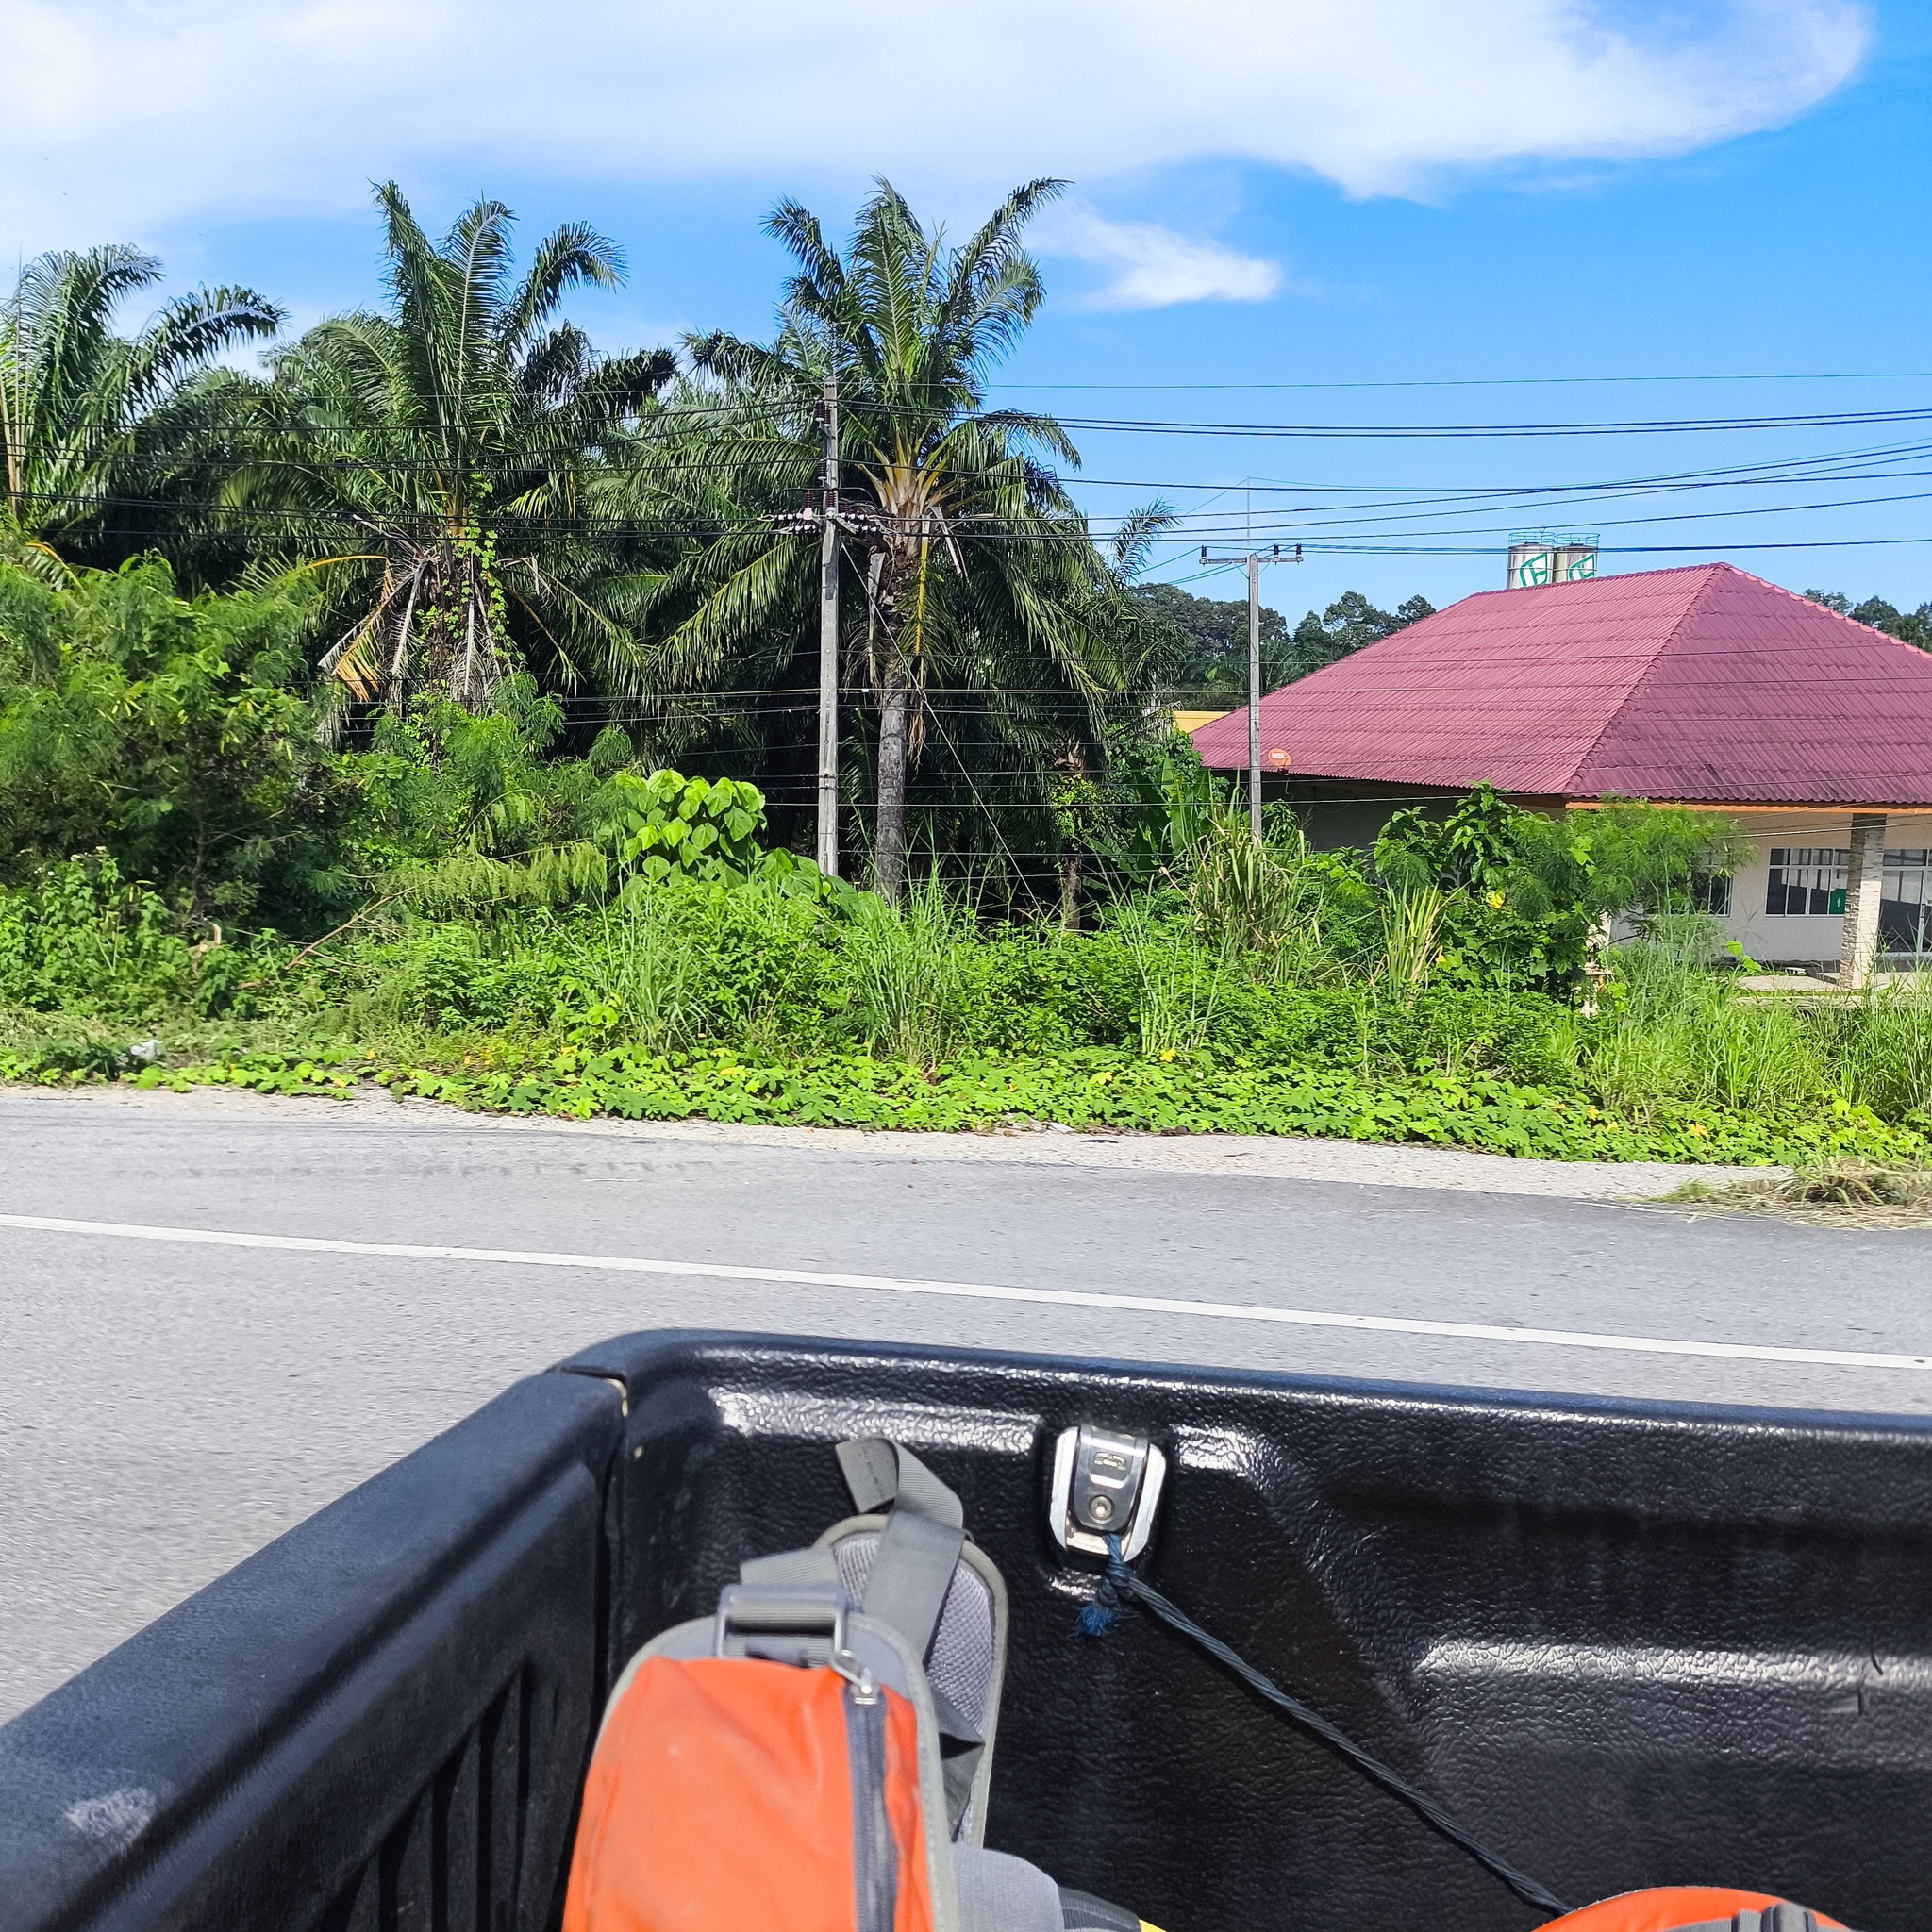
[1703, 683]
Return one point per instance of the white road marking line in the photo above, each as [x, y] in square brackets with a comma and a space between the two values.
[985, 1292]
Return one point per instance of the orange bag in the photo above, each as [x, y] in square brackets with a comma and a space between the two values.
[729, 1793]
[1673, 1908]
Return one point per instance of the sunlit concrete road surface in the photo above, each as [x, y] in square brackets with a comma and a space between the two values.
[168, 1403]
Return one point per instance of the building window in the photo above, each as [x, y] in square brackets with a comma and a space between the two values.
[1905, 919]
[1711, 893]
[1807, 879]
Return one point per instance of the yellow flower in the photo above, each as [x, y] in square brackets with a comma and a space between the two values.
[1698, 1128]
[1167, 1052]
[1496, 901]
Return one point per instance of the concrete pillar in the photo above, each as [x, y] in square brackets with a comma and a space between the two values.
[1864, 882]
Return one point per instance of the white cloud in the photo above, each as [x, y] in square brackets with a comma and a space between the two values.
[126, 117]
[1151, 267]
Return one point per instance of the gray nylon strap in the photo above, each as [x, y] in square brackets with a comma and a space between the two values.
[952, 1720]
[957, 1768]
[870, 1466]
[791, 1567]
[922, 1538]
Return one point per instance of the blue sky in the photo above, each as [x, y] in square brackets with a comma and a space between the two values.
[1355, 197]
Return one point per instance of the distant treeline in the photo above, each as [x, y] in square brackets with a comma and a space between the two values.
[1914, 626]
[1216, 634]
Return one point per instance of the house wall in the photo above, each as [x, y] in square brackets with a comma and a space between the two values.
[1789, 939]
[1337, 812]
[1800, 939]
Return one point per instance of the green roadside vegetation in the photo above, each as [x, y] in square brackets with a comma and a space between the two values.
[757, 1001]
[200, 890]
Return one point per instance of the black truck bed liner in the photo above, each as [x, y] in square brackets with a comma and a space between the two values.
[1628, 1644]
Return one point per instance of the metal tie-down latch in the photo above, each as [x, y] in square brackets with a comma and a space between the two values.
[1105, 1483]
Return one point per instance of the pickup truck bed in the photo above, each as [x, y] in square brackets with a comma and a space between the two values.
[1628, 1644]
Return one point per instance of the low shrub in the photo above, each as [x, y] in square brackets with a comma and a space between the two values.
[741, 997]
[83, 940]
[1089, 1089]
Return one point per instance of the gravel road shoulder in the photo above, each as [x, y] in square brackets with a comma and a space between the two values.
[1262, 1156]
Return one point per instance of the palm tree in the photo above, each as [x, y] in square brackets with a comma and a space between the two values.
[88, 417]
[972, 566]
[429, 462]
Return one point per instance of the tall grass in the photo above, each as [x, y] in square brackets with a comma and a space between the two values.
[1680, 1031]
[906, 967]
[1879, 1046]
[1263, 900]
[640, 974]
[1178, 982]
[1247, 893]
[1411, 933]
[1262, 953]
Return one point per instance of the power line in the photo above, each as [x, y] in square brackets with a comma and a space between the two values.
[948, 412]
[513, 524]
[1286, 527]
[1816, 466]
[1486, 381]
[1658, 426]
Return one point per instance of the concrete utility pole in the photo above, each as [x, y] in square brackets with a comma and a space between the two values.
[1254, 561]
[828, 635]
[1864, 884]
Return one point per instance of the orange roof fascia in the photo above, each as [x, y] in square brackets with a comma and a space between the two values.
[1710, 804]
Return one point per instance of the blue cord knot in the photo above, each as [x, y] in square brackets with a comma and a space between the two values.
[1097, 1618]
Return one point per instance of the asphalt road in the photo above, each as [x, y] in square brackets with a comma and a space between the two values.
[167, 1405]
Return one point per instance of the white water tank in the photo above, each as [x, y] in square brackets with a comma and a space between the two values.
[1550, 557]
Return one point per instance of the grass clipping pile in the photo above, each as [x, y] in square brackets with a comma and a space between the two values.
[1843, 1194]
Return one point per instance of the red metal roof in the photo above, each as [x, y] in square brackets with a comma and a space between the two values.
[1699, 684]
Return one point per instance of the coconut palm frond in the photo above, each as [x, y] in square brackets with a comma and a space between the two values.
[92, 423]
[451, 439]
